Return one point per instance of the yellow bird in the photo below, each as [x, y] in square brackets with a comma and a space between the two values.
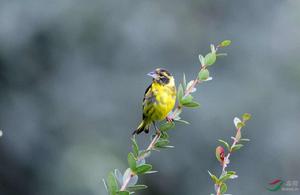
[159, 99]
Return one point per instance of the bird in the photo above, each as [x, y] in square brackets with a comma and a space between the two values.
[159, 100]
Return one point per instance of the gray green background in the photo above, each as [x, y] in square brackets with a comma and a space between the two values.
[73, 74]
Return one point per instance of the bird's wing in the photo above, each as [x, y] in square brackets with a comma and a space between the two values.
[148, 98]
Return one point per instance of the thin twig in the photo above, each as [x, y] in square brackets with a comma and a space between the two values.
[139, 158]
[187, 92]
[226, 159]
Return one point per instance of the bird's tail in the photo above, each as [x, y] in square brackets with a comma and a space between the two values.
[144, 126]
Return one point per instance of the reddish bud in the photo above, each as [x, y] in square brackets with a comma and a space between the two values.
[220, 154]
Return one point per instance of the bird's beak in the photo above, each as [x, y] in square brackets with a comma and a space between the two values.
[152, 74]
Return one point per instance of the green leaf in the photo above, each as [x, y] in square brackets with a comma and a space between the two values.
[150, 172]
[186, 99]
[135, 147]
[246, 117]
[112, 184]
[182, 121]
[166, 126]
[231, 172]
[184, 81]
[192, 104]
[225, 43]
[123, 193]
[137, 187]
[245, 140]
[212, 48]
[168, 146]
[240, 125]
[161, 143]
[221, 54]
[203, 74]
[228, 175]
[179, 92]
[131, 161]
[143, 168]
[236, 147]
[223, 188]
[213, 177]
[224, 178]
[225, 143]
[164, 135]
[210, 58]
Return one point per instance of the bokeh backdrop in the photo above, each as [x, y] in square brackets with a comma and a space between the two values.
[73, 74]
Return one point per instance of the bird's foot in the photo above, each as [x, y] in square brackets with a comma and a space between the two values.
[169, 119]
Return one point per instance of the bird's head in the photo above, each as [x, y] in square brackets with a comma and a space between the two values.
[162, 76]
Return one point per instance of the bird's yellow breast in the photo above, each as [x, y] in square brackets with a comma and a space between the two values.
[164, 97]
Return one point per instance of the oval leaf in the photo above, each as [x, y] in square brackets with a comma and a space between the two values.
[186, 99]
[213, 177]
[225, 43]
[246, 117]
[210, 58]
[203, 74]
[192, 104]
[179, 92]
[135, 147]
[161, 143]
[138, 187]
[131, 161]
[220, 154]
[184, 81]
[112, 184]
[236, 147]
[182, 121]
[123, 193]
[223, 188]
[143, 168]
[166, 126]
[225, 143]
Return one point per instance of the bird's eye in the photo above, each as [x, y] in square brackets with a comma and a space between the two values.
[164, 80]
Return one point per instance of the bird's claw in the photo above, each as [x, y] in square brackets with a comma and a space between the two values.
[169, 119]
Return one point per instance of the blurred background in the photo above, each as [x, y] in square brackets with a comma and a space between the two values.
[73, 75]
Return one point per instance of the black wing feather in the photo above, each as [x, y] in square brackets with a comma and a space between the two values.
[146, 97]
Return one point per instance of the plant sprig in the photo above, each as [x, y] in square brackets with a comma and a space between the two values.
[118, 184]
[220, 182]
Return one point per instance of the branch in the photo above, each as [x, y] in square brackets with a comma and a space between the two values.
[141, 157]
[220, 185]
